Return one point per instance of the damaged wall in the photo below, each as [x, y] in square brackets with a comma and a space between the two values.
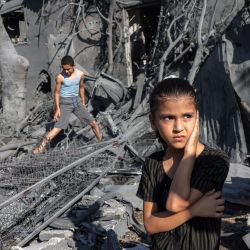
[238, 56]
[224, 95]
[34, 45]
[221, 119]
[13, 75]
[55, 28]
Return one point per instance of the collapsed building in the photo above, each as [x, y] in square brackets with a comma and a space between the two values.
[124, 48]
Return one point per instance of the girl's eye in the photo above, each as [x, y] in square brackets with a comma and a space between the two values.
[168, 118]
[187, 116]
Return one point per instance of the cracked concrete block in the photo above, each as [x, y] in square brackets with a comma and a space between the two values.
[46, 235]
[62, 223]
[52, 244]
[128, 192]
[71, 243]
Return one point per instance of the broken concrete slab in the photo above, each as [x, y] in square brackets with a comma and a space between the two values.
[128, 192]
[120, 227]
[62, 223]
[52, 244]
[46, 235]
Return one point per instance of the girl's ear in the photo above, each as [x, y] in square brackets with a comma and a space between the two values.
[151, 118]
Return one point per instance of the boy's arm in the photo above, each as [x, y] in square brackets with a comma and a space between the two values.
[81, 88]
[59, 80]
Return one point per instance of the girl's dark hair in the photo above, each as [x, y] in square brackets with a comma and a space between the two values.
[170, 87]
[67, 60]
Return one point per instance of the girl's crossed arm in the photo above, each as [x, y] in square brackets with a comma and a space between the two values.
[210, 205]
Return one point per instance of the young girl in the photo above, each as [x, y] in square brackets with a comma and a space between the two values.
[181, 185]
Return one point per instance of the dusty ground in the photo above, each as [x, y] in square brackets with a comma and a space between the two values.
[235, 224]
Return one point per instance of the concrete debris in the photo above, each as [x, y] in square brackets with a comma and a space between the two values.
[52, 244]
[94, 192]
[128, 193]
[111, 210]
[46, 235]
[62, 223]
[104, 208]
[120, 227]
[109, 122]
[81, 194]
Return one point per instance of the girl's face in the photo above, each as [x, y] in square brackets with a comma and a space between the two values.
[174, 119]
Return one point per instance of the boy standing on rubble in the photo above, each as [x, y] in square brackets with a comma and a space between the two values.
[69, 85]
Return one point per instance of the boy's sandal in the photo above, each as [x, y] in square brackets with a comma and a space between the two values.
[41, 147]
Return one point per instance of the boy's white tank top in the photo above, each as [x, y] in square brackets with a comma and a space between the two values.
[70, 87]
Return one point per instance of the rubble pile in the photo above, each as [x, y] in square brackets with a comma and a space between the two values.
[80, 194]
[33, 195]
[35, 190]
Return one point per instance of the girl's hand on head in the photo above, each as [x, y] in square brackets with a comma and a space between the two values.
[193, 140]
[209, 205]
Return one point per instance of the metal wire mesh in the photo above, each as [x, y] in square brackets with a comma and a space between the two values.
[35, 188]
[17, 174]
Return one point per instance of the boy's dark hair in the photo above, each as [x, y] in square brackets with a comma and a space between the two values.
[170, 87]
[67, 60]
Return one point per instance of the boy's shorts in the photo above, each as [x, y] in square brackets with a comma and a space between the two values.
[73, 105]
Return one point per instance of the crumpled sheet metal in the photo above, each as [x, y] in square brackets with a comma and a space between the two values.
[111, 87]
